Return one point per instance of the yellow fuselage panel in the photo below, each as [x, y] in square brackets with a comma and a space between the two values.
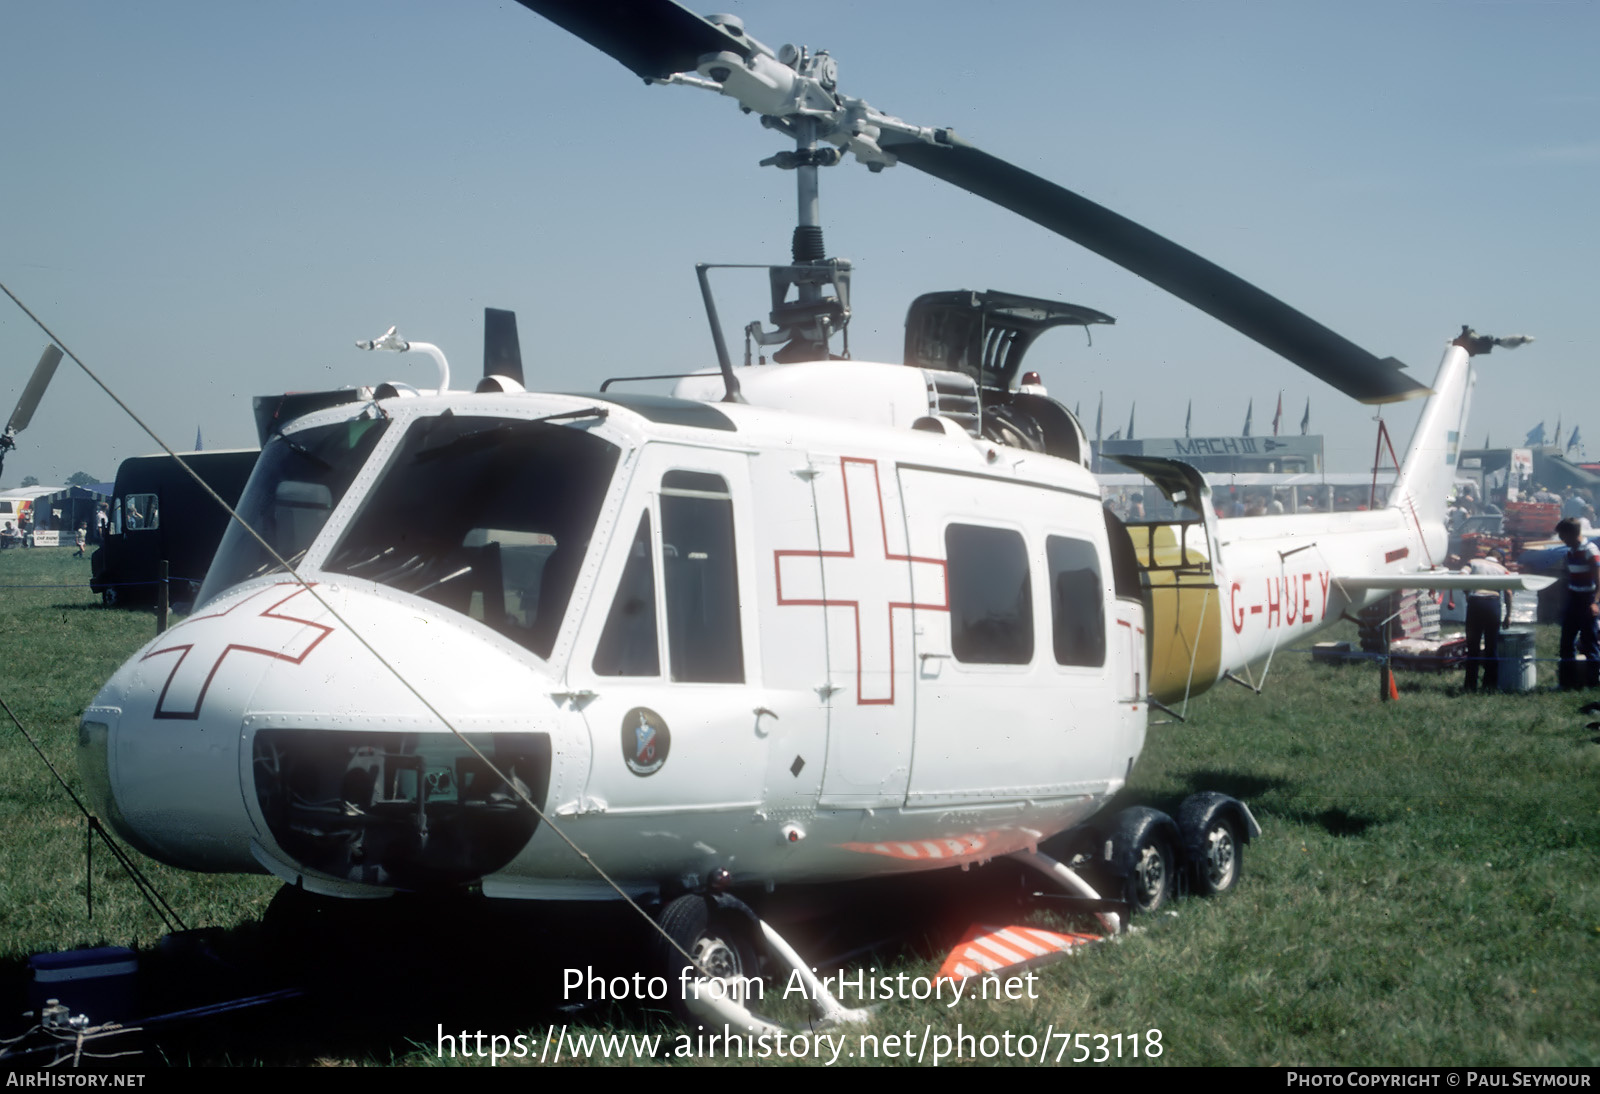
[1185, 616]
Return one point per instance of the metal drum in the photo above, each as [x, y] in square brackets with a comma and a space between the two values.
[1516, 653]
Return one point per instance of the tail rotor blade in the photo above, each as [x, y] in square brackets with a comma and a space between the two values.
[1207, 286]
[502, 355]
[42, 372]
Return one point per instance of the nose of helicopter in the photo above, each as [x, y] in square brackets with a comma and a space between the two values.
[264, 733]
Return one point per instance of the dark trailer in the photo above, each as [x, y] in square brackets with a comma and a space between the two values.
[160, 512]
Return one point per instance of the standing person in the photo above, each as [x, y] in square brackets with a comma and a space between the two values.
[1580, 620]
[1571, 504]
[81, 537]
[1485, 610]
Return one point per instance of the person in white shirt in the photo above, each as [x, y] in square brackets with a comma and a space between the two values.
[1484, 620]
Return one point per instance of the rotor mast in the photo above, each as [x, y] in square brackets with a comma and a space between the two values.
[806, 323]
[809, 194]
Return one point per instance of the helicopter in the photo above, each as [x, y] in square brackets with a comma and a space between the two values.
[617, 645]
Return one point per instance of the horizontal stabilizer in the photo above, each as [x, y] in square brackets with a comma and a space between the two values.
[1443, 579]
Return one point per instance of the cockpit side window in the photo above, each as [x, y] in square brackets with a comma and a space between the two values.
[298, 480]
[491, 517]
[628, 645]
[704, 639]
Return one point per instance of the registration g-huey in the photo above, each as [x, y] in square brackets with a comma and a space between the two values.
[807, 620]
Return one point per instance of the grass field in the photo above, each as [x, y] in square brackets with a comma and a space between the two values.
[1424, 891]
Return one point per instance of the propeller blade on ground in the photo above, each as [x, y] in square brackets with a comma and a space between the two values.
[1207, 286]
[653, 38]
[42, 372]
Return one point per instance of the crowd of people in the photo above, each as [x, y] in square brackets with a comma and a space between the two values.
[19, 534]
[1137, 506]
[1575, 504]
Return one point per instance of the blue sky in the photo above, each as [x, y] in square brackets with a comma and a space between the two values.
[209, 202]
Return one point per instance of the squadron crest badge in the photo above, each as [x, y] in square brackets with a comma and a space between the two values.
[645, 741]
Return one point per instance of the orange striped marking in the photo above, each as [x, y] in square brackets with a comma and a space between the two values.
[987, 950]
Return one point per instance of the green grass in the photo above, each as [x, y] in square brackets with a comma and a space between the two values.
[1424, 890]
[57, 646]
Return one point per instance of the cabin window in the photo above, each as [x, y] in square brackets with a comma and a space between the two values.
[493, 512]
[1077, 602]
[141, 512]
[704, 639]
[991, 595]
[628, 645]
[298, 480]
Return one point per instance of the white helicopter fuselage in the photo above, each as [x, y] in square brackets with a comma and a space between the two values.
[800, 638]
[700, 636]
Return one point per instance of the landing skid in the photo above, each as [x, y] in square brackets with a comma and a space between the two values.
[709, 944]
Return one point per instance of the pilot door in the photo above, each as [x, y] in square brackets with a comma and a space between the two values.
[694, 706]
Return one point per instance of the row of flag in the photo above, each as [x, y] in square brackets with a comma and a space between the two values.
[1537, 439]
[1188, 419]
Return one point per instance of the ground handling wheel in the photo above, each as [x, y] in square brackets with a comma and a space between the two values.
[1144, 858]
[1214, 829]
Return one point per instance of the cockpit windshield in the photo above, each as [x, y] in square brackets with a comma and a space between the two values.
[490, 517]
[297, 482]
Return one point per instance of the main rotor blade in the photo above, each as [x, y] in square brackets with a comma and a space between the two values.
[1186, 275]
[31, 394]
[653, 38]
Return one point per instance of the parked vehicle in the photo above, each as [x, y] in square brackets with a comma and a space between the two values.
[159, 512]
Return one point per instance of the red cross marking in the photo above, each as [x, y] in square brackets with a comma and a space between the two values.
[209, 643]
[866, 577]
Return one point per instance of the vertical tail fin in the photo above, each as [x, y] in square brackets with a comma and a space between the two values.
[1429, 470]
